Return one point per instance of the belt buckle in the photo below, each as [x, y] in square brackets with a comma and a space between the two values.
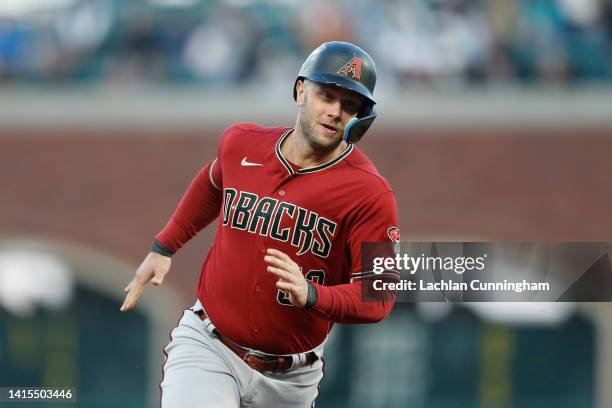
[248, 359]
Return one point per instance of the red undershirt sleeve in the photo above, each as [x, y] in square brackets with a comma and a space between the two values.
[376, 221]
[198, 207]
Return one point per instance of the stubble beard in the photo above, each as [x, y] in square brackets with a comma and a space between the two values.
[310, 131]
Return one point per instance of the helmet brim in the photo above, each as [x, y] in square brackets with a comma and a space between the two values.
[340, 81]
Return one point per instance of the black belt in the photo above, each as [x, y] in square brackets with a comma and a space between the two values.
[257, 360]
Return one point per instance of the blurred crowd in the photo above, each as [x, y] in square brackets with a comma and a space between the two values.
[212, 43]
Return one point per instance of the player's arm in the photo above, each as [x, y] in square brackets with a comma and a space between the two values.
[340, 303]
[199, 206]
[343, 303]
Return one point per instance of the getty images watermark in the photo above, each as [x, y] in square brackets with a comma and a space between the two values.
[480, 271]
[458, 265]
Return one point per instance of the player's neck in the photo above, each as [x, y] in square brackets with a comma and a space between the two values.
[298, 151]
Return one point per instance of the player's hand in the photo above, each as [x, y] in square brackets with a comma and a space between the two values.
[153, 269]
[290, 278]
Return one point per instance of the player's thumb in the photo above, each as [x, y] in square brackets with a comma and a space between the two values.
[158, 278]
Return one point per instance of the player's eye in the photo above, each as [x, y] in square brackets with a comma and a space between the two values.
[351, 107]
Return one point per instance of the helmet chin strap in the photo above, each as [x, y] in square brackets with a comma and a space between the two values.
[356, 127]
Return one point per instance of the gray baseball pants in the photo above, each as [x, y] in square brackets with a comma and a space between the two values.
[201, 372]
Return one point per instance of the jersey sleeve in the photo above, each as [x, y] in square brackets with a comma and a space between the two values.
[376, 221]
[198, 207]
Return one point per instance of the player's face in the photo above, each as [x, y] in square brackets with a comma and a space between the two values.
[326, 110]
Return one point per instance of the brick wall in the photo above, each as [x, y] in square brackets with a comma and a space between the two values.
[112, 191]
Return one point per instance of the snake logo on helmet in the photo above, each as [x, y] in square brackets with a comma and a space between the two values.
[347, 66]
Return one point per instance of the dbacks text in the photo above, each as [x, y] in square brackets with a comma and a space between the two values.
[308, 231]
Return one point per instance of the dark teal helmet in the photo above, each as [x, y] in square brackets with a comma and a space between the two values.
[349, 67]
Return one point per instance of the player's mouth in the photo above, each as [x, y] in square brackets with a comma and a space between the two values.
[328, 130]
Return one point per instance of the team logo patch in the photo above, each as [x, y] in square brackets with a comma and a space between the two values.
[394, 234]
[353, 67]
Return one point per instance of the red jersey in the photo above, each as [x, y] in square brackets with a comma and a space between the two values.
[319, 216]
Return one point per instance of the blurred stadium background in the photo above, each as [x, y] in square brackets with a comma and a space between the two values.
[495, 125]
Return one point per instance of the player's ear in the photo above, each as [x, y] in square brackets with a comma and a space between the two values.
[300, 90]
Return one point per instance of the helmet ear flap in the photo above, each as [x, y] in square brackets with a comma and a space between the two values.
[356, 127]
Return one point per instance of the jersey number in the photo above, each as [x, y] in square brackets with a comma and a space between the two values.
[314, 275]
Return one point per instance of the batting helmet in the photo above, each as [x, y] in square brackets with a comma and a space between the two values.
[349, 67]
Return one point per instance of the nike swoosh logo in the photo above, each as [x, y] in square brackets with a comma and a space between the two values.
[245, 163]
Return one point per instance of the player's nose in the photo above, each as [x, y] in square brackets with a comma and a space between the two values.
[334, 110]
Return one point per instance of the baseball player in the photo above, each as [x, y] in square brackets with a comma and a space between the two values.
[294, 206]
